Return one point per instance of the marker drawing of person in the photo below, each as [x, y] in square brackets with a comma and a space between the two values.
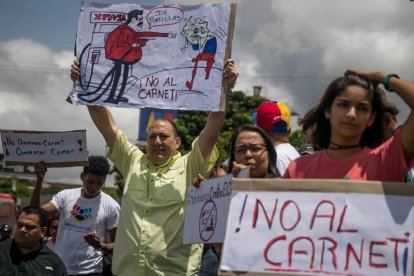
[198, 36]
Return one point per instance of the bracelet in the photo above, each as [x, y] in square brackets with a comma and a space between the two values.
[387, 79]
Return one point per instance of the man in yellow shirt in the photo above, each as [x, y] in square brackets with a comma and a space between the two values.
[150, 229]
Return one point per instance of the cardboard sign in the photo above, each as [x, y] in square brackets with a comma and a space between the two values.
[57, 149]
[319, 227]
[206, 211]
[160, 56]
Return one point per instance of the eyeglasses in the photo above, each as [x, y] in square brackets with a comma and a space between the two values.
[254, 149]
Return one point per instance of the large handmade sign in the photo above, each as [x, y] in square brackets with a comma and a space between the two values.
[57, 149]
[160, 56]
[319, 227]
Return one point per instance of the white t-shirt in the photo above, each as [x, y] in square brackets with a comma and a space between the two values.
[79, 215]
[286, 153]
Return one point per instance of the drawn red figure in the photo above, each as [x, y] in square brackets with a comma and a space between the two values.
[124, 47]
[198, 36]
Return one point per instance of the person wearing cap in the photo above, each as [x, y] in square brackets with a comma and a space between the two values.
[274, 118]
[5, 232]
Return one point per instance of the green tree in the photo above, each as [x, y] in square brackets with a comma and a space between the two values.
[297, 138]
[21, 188]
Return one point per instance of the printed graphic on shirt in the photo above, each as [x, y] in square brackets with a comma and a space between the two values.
[80, 214]
[79, 219]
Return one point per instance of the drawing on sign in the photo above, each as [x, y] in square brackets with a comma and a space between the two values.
[133, 55]
[124, 47]
[199, 37]
[208, 220]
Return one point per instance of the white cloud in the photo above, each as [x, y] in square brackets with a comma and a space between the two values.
[34, 86]
[300, 46]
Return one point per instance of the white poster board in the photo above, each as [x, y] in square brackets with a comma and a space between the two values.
[319, 227]
[206, 211]
[57, 149]
[160, 56]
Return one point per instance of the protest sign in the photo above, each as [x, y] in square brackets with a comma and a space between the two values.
[57, 149]
[319, 227]
[206, 211]
[160, 56]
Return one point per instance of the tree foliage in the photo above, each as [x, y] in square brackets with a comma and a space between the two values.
[21, 188]
[297, 138]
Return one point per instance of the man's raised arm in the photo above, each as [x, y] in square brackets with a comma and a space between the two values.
[41, 169]
[209, 134]
[101, 116]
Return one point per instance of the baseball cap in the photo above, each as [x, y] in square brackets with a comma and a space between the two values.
[273, 116]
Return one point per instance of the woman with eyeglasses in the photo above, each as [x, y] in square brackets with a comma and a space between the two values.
[251, 147]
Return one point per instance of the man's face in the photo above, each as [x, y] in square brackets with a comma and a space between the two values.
[161, 142]
[92, 184]
[29, 232]
[136, 23]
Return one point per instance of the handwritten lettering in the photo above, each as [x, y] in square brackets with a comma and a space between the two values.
[28, 143]
[53, 143]
[162, 16]
[61, 152]
[196, 196]
[307, 245]
[107, 17]
[311, 249]
[21, 152]
[9, 141]
[154, 93]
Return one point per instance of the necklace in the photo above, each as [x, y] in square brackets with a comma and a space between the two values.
[335, 146]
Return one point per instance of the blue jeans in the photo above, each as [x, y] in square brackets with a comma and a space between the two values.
[210, 261]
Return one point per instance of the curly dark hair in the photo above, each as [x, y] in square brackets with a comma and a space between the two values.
[98, 165]
[271, 168]
[373, 135]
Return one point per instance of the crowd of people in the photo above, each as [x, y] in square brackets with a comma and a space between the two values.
[351, 133]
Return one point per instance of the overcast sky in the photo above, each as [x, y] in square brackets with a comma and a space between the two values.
[292, 48]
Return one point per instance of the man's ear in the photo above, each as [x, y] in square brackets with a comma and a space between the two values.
[82, 176]
[178, 142]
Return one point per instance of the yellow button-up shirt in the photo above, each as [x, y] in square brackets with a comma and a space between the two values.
[149, 239]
